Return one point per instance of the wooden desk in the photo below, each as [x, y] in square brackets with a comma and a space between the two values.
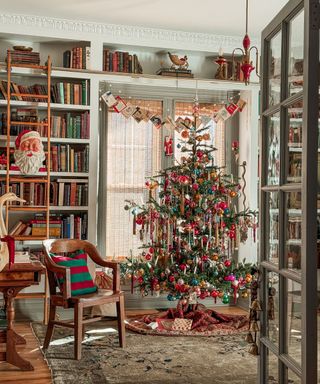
[12, 281]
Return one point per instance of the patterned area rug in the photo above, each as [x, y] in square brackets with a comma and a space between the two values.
[148, 360]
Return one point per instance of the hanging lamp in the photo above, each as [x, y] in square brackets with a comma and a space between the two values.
[246, 63]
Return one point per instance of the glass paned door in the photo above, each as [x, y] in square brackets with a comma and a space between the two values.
[289, 226]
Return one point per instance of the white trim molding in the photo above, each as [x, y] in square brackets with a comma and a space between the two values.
[116, 33]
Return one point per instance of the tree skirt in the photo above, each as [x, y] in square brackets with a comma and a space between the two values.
[197, 321]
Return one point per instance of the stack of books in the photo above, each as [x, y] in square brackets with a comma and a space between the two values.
[175, 72]
[24, 57]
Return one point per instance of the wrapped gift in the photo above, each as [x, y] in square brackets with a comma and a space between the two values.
[182, 325]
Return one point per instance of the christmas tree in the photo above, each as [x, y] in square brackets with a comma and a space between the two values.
[190, 227]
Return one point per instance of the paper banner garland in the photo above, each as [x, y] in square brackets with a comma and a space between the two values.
[142, 114]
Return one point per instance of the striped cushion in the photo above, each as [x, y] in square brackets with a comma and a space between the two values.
[81, 280]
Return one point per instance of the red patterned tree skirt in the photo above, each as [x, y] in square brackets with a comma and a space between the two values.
[205, 322]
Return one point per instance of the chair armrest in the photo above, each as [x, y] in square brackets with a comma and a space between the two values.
[65, 272]
[95, 257]
[115, 271]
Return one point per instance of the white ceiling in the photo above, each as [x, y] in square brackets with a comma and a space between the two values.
[209, 16]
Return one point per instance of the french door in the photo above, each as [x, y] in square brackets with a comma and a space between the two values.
[288, 195]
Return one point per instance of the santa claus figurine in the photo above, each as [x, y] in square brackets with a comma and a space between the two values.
[29, 153]
[168, 142]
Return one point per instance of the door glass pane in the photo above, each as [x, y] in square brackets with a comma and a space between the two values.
[293, 230]
[296, 54]
[294, 320]
[272, 227]
[274, 69]
[273, 149]
[293, 378]
[294, 169]
[272, 368]
[273, 307]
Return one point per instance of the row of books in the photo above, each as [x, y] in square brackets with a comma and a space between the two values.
[63, 192]
[24, 57]
[69, 125]
[61, 92]
[75, 126]
[121, 62]
[77, 58]
[70, 93]
[67, 158]
[60, 226]
[69, 192]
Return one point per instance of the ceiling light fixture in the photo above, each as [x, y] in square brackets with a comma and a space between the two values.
[246, 62]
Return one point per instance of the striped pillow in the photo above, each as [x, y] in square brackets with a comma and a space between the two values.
[81, 280]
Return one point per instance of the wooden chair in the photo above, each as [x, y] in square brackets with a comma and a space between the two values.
[65, 300]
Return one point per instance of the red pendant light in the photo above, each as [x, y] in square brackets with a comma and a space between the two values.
[246, 62]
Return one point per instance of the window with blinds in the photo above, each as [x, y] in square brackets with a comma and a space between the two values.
[133, 154]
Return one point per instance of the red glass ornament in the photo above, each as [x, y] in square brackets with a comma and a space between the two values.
[227, 263]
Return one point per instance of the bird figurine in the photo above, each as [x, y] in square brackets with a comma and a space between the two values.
[181, 63]
[4, 250]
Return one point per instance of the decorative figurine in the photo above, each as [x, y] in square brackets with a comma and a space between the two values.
[168, 142]
[181, 63]
[29, 153]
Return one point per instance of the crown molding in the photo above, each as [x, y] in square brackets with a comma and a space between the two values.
[119, 33]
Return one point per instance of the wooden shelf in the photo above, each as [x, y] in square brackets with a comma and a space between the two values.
[40, 105]
[52, 140]
[56, 174]
[68, 208]
[27, 208]
[29, 238]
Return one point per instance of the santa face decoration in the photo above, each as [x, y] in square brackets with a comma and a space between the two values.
[29, 153]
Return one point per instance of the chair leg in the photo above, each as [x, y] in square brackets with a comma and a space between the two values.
[78, 327]
[121, 318]
[50, 327]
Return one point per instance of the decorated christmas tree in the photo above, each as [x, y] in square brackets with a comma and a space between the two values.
[190, 228]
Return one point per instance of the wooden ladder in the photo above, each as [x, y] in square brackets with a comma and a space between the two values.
[45, 178]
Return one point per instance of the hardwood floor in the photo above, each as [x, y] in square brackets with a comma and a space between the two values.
[42, 374]
[31, 352]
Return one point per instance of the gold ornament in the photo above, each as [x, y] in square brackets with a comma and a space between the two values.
[244, 294]
[199, 138]
[215, 257]
[206, 136]
[233, 193]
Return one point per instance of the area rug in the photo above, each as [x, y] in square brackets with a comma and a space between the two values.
[202, 322]
[152, 360]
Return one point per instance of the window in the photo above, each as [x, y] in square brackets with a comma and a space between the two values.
[134, 152]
